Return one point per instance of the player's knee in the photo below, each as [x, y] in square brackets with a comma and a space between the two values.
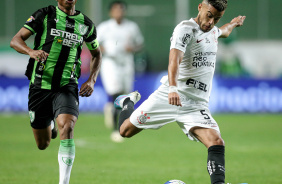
[43, 145]
[66, 128]
[219, 141]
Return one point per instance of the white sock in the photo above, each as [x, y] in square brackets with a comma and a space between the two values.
[66, 158]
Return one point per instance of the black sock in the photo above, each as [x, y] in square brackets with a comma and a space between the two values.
[216, 164]
[128, 108]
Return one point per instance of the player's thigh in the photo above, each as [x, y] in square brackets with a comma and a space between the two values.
[154, 113]
[41, 115]
[66, 101]
[193, 115]
[110, 75]
[66, 109]
[40, 107]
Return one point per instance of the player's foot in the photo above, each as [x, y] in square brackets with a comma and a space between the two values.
[54, 130]
[108, 115]
[134, 97]
[116, 137]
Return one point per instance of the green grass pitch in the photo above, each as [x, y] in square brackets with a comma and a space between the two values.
[253, 153]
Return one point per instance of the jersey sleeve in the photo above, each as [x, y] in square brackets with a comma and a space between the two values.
[91, 40]
[181, 37]
[35, 22]
[138, 37]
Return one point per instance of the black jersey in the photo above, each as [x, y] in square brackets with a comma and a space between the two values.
[61, 36]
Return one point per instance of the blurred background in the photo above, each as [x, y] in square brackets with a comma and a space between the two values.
[248, 74]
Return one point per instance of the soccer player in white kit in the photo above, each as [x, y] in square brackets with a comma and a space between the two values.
[119, 39]
[184, 94]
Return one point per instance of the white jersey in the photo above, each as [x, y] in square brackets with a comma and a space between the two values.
[198, 65]
[116, 37]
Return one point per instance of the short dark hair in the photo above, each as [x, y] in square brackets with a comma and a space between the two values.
[220, 5]
[121, 3]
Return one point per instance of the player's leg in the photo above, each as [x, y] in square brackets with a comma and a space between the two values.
[66, 155]
[65, 105]
[115, 135]
[197, 123]
[216, 152]
[112, 79]
[40, 113]
[153, 113]
[42, 137]
[126, 103]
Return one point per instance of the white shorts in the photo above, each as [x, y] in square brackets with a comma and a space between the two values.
[117, 78]
[156, 112]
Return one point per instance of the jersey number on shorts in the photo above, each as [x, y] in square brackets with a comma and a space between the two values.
[204, 114]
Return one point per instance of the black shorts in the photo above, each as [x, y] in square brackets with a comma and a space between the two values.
[45, 105]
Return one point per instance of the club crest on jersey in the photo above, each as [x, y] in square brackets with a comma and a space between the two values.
[83, 29]
[142, 118]
[30, 19]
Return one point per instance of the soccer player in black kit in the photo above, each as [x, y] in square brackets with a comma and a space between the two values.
[53, 70]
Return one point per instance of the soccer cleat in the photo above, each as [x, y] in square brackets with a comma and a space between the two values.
[116, 137]
[54, 130]
[134, 97]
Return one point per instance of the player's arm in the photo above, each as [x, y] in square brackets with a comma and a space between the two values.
[87, 88]
[18, 43]
[227, 28]
[175, 58]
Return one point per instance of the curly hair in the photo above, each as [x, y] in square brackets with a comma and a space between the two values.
[220, 5]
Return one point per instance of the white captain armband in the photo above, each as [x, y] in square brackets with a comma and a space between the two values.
[92, 45]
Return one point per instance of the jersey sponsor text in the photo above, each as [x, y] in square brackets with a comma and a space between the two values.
[69, 39]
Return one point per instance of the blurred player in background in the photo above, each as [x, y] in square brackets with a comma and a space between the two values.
[184, 94]
[53, 70]
[119, 39]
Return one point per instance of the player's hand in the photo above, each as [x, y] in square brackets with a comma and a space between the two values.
[86, 89]
[174, 99]
[38, 55]
[239, 21]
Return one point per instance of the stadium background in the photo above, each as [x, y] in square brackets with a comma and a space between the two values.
[248, 71]
[246, 101]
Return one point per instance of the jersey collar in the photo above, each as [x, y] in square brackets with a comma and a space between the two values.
[62, 13]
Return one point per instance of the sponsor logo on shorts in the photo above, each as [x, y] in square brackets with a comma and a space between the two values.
[31, 116]
[142, 118]
[209, 123]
